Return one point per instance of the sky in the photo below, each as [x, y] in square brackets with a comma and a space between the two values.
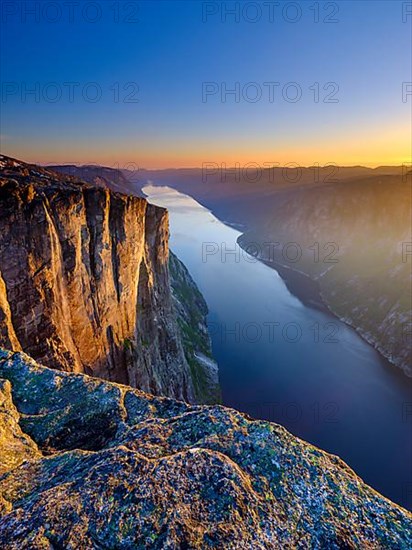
[148, 84]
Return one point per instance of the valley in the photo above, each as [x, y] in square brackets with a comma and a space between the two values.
[282, 359]
[349, 237]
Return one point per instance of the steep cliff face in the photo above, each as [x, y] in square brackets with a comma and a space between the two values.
[191, 311]
[84, 283]
[99, 465]
[188, 303]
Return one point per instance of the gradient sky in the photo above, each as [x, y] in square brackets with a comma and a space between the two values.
[171, 50]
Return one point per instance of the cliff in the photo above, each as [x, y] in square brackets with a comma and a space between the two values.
[84, 281]
[191, 311]
[93, 464]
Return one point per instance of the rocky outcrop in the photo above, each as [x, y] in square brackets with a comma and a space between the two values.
[84, 281]
[191, 311]
[189, 305]
[15, 446]
[105, 466]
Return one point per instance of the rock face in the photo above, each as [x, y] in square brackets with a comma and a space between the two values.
[84, 281]
[189, 305]
[100, 465]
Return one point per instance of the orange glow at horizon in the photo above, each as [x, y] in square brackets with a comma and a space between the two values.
[389, 146]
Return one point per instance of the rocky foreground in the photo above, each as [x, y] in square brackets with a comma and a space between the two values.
[86, 463]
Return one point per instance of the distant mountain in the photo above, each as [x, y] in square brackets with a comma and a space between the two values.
[244, 195]
[101, 176]
[354, 240]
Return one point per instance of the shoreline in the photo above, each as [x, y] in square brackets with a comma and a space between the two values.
[307, 290]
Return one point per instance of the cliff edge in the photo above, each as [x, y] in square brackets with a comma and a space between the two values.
[84, 281]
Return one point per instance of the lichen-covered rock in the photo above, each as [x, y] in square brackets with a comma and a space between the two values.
[15, 446]
[124, 469]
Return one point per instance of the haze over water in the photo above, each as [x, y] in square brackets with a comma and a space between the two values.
[285, 362]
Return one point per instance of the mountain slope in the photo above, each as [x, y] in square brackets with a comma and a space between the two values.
[191, 311]
[123, 469]
[99, 176]
[352, 239]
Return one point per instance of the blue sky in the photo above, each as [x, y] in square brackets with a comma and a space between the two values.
[170, 49]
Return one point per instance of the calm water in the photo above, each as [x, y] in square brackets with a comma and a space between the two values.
[285, 362]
